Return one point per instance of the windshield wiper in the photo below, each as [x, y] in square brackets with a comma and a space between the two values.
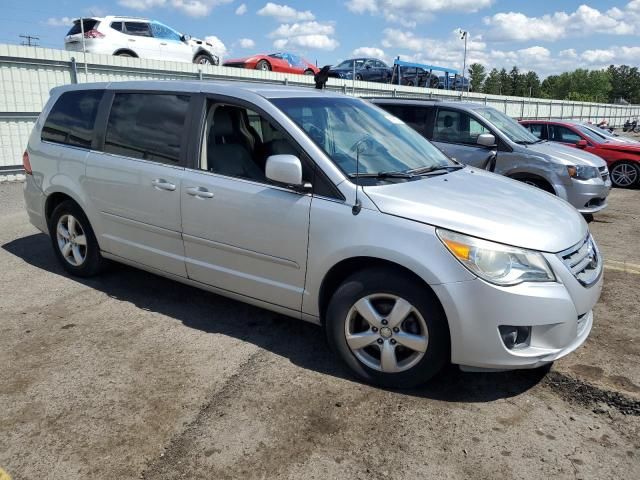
[389, 174]
[525, 142]
[439, 168]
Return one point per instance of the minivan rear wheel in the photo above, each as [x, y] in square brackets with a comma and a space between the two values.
[388, 329]
[74, 242]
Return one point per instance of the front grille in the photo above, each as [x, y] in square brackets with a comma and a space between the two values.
[604, 172]
[583, 261]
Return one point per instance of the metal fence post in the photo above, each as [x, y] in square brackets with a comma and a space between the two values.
[522, 109]
[537, 110]
[74, 70]
[561, 110]
[199, 74]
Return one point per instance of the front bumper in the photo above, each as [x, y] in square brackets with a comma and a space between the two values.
[589, 196]
[559, 313]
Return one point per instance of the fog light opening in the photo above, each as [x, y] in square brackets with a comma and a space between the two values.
[515, 337]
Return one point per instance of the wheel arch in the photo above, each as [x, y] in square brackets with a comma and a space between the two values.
[120, 51]
[202, 51]
[533, 176]
[348, 266]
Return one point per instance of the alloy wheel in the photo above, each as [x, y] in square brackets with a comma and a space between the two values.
[624, 174]
[72, 240]
[386, 333]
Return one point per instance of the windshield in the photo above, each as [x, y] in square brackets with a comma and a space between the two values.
[350, 128]
[508, 126]
[349, 63]
[593, 135]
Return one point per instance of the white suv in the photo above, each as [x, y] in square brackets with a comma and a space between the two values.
[137, 37]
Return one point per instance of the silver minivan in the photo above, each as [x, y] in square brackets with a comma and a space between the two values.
[321, 207]
[484, 137]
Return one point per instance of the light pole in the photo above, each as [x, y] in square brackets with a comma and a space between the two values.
[463, 36]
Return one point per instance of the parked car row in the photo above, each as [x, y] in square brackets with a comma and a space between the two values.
[329, 209]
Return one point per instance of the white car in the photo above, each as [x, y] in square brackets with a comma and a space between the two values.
[137, 37]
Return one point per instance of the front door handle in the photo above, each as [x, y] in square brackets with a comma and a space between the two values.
[199, 192]
[162, 184]
[132, 39]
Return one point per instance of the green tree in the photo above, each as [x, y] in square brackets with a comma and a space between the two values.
[492, 83]
[477, 75]
[516, 80]
[624, 82]
[532, 84]
[505, 83]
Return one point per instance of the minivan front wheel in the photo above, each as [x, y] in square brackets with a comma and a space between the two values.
[73, 240]
[388, 329]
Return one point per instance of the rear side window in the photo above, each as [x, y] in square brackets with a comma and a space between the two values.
[415, 117]
[72, 118]
[89, 24]
[139, 29]
[148, 126]
[116, 26]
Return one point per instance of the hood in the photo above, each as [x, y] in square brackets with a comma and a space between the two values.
[633, 148]
[485, 205]
[566, 155]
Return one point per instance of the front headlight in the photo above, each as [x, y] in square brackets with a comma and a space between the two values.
[583, 172]
[496, 263]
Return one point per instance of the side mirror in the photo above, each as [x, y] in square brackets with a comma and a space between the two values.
[185, 37]
[285, 169]
[582, 143]
[486, 140]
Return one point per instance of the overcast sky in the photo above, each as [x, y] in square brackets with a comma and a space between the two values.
[545, 36]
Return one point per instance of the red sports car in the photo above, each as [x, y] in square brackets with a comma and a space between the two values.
[276, 62]
[622, 157]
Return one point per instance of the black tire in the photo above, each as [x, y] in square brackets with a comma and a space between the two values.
[380, 281]
[625, 174]
[263, 65]
[309, 72]
[358, 77]
[93, 262]
[203, 59]
[123, 54]
[538, 183]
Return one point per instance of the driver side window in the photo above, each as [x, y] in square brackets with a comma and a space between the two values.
[457, 127]
[237, 143]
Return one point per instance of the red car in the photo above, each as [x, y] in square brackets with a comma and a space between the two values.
[276, 62]
[623, 158]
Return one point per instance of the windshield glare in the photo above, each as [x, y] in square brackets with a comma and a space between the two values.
[348, 128]
[507, 125]
[592, 134]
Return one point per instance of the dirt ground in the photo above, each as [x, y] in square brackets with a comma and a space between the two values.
[133, 376]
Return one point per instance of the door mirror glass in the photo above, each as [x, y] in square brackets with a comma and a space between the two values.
[185, 37]
[582, 143]
[486, 140]
[285, 169]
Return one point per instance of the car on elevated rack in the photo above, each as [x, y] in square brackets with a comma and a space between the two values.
[137, 37]
[282, 62]
[366, 69]
[622, 157]
[418, 77]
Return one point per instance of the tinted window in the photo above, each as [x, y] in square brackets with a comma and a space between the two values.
[147, 126]
[88, 24]
[138, 28]
[415, 117]
[162, 31]
[116, 26]
[563, 134]
[72, 118]
[537, 129]
[457, 127]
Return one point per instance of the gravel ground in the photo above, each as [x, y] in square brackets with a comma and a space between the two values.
[133, 376]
